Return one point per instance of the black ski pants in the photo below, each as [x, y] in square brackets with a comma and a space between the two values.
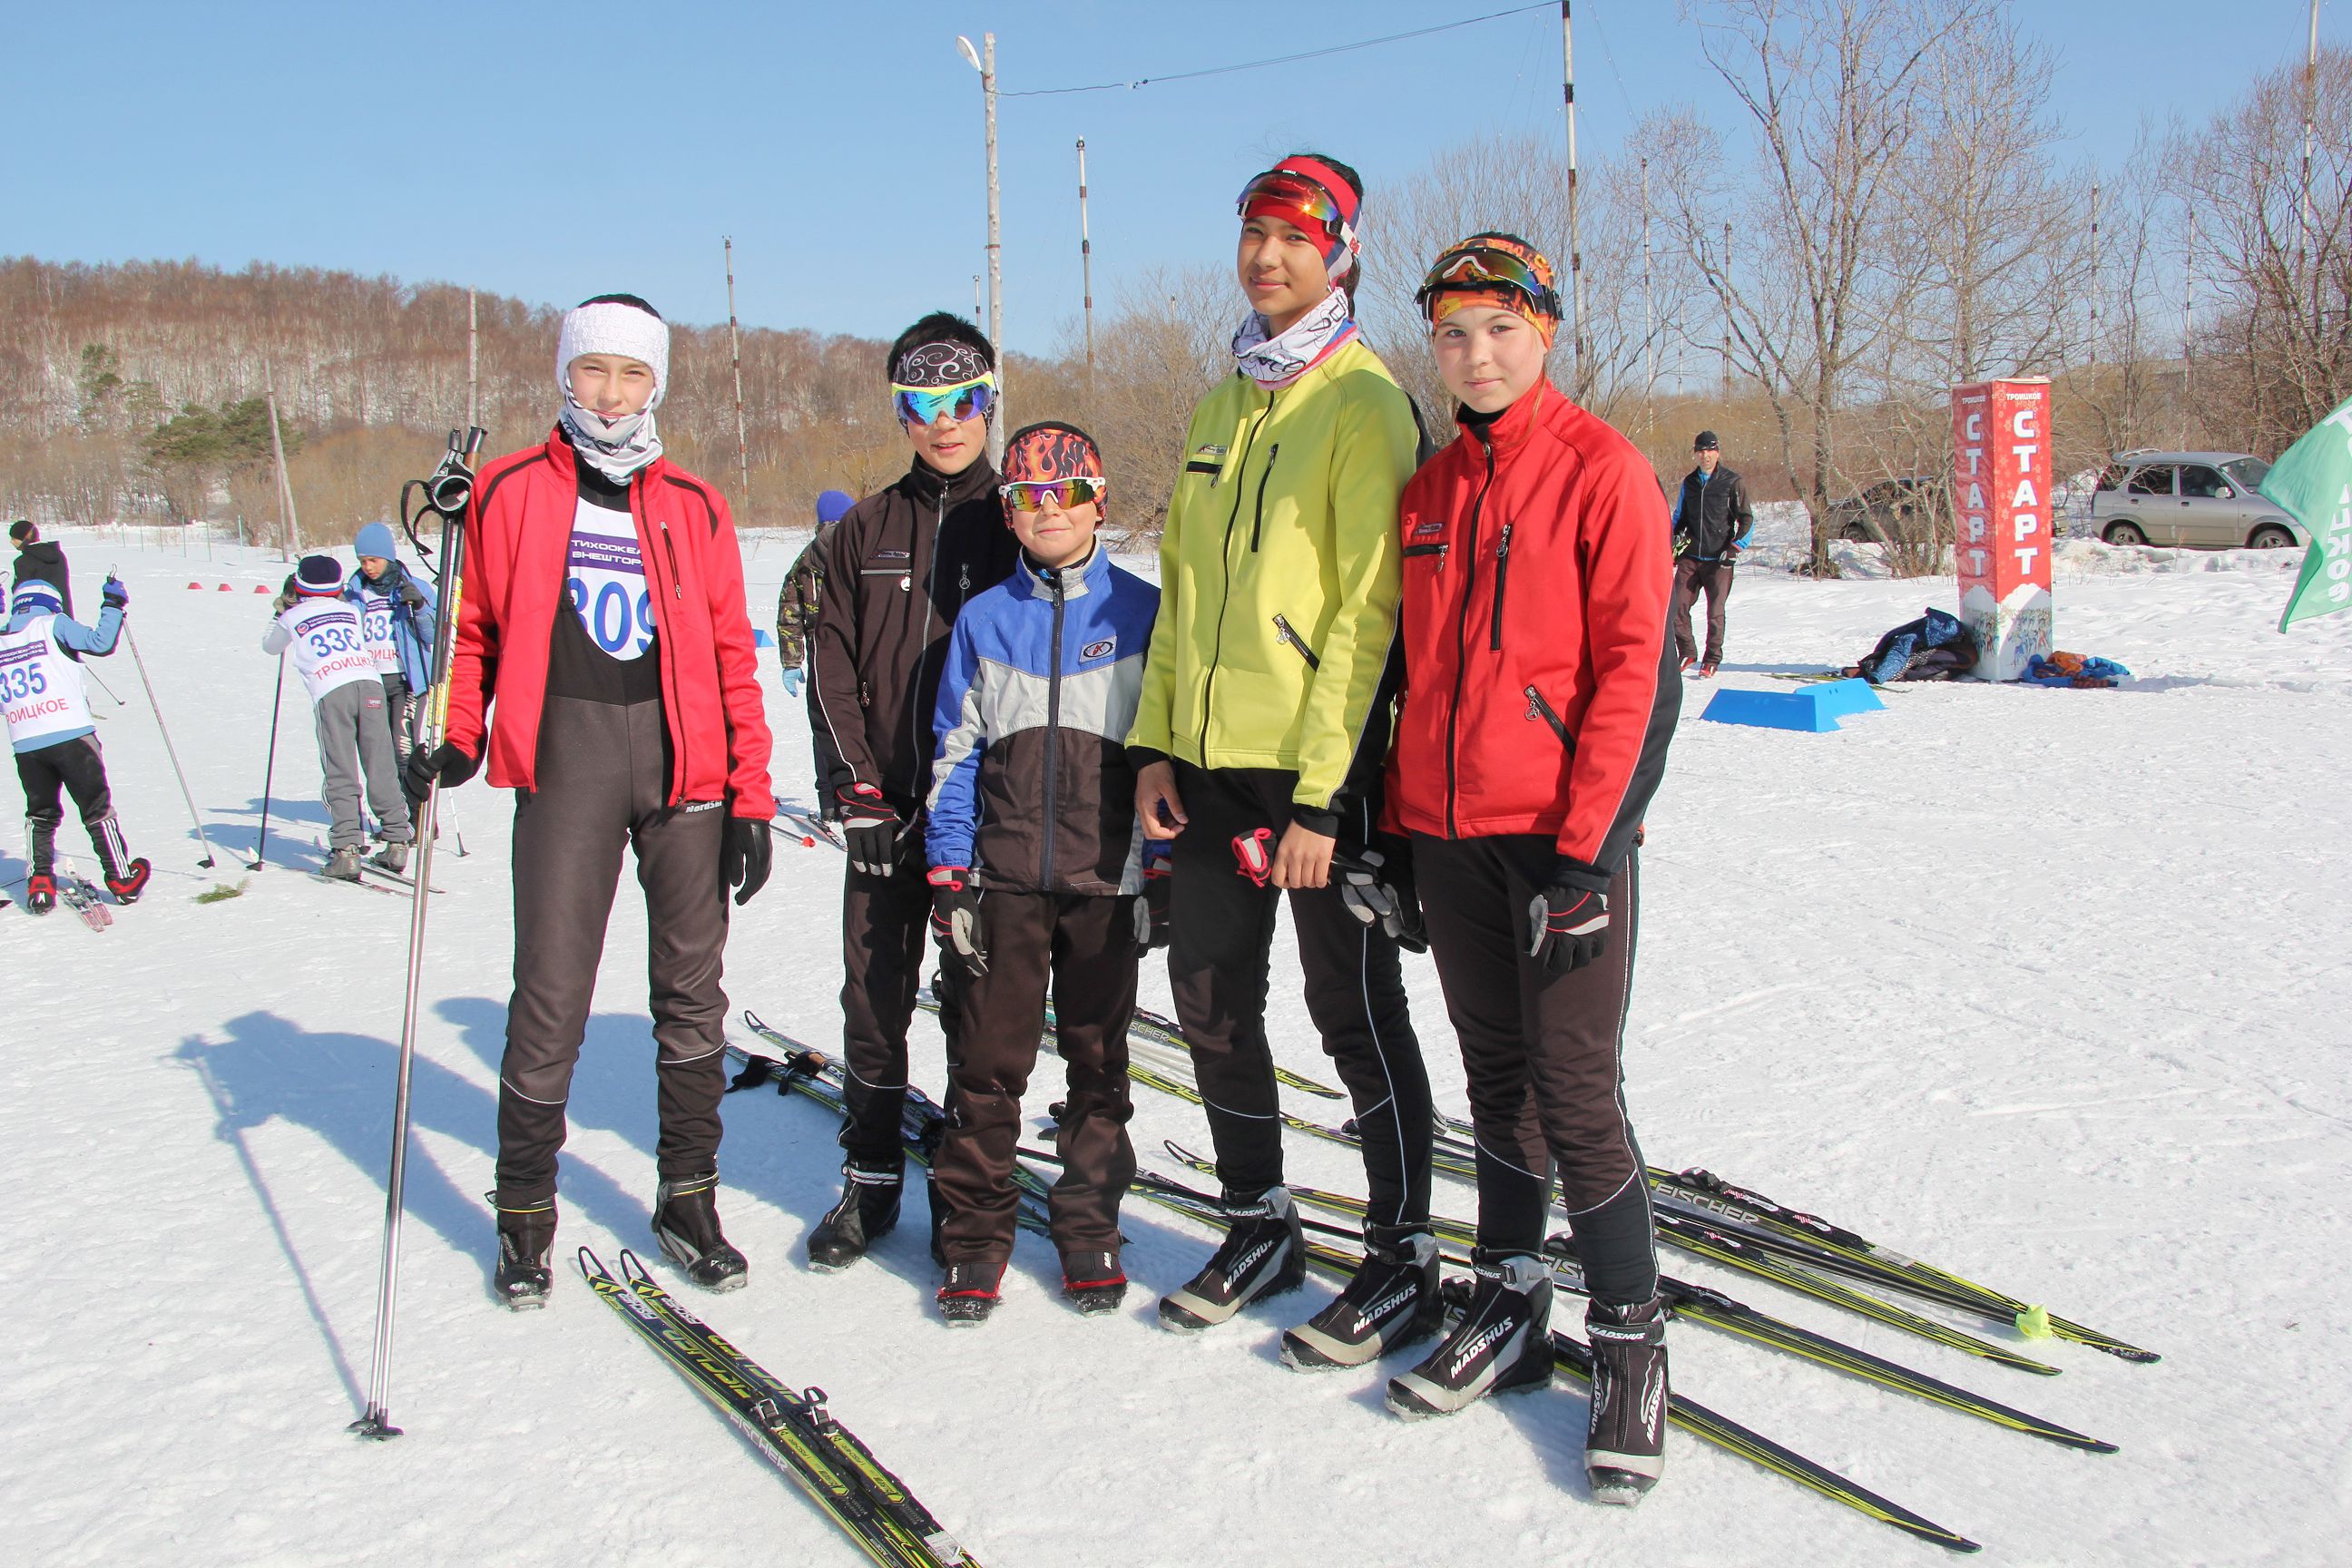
[76, 768]
[603, 775]
[1693, 578]
[1082, 948]
[1544, 1055]
[1222, 935]
[886, 934]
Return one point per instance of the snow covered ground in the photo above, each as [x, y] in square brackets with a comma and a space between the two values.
[2046, 986]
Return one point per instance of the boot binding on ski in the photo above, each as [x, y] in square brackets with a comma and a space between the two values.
[686, 1223]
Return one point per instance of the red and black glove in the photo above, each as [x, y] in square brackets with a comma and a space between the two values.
[956, 919]
[1568, 926]
[869, 828]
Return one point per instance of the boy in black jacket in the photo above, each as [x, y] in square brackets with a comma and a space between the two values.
[902, 565]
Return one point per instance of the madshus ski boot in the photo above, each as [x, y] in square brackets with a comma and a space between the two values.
[1265, 1254]
[1391, 1302]
[1502, 1343]
[685, 1222]
[526, 1238]
[868, 1212]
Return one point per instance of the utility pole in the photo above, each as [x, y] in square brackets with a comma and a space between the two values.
[984, 62]
[1087, 271]
[735, 353]
[978, 302]
[2095, 280]
[473, 361]
[2310, 116]
[1575, 250]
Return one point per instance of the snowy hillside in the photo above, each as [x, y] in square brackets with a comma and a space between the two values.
[2043, 986]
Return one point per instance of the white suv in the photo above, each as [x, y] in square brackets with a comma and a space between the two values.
[2205, 500]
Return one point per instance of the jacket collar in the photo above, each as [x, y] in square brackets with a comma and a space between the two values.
[926, 484]
[1507, 431]
[1078, 579]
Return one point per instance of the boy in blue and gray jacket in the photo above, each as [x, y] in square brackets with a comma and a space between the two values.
[396, 613]
[53, 737]
[1037, 875]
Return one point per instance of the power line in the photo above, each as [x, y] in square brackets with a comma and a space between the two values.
[1280, 59]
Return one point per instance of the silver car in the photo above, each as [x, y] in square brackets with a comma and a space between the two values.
[2205, 500]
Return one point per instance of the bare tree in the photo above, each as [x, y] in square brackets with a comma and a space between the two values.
[1834, 94]
[2283, 336]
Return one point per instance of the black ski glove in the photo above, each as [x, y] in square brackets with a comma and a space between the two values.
[446, 762]
[956, 920]
[743, 858]
[1150, 907]
[869, 827]
[410, 594]
[1568, 926]
[1377, 885]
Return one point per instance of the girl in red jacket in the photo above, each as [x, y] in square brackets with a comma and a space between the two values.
[602, 608]
[1540, 694]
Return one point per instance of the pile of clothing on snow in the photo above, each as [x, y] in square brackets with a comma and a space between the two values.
[2082, 670]
[1936, 646]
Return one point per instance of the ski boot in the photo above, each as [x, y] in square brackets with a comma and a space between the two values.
[344, 865]
[970, 1294]
[1265, 1254]
[126, 878]
[526, 1236]
[1625, 1443]
[1391, 1302]
[41, 850]
[1093, 1282]
[40, 892]
[1502, 1342]
[686, 1221]
[390, 856]
[867, 1211]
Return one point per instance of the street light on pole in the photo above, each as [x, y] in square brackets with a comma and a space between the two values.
[983, 60]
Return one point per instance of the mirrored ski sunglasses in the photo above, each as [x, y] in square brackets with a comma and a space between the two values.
[965, 399]
[1294, 193]
[1029, 495]
[1490, 265]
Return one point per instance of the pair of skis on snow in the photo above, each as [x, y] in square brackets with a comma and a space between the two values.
[810, 1073]
[792, 1429]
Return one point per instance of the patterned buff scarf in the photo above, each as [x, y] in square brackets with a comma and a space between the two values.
[616, 448]
[1274, 362]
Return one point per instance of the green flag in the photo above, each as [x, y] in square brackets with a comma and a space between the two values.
[2312, 480]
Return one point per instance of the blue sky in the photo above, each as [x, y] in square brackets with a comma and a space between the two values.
[555, 151]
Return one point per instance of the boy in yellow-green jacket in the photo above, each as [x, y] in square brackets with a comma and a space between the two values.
[1258, 746]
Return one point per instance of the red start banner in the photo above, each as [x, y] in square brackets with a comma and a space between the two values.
[2001, 502]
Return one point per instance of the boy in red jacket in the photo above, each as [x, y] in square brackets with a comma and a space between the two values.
[1541, 694]
[602, 604]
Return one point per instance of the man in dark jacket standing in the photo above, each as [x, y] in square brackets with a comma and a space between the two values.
[900, 568]
[1712, 521]
[40, 560]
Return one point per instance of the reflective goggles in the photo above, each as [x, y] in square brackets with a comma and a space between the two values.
[1029, 495]
[1485, 268]
[1293, 193]
[923, 405]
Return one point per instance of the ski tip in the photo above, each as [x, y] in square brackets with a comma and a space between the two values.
[591, 1266]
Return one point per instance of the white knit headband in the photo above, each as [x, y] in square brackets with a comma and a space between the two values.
[609, 328]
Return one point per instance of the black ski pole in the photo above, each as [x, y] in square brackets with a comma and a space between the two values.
[448, 493]
[173, 753]
[269, 768]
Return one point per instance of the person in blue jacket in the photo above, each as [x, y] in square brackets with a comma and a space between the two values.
[1037, 875]
[396, 621]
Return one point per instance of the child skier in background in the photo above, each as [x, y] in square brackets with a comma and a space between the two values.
[55, 740]
[396, 622]
[322, 631]
[1036, 875]
[803, 588]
